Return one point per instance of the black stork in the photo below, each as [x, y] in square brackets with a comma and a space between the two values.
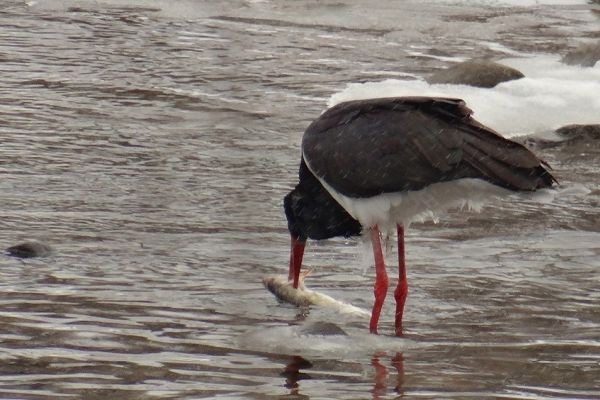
[373, 165]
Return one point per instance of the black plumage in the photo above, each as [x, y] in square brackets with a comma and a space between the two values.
[368, 147]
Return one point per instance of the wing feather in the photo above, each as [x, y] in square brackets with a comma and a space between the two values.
[367, 147]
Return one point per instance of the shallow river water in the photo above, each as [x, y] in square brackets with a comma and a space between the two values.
[150, 144]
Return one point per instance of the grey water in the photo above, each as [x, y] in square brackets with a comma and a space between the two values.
[150, 144]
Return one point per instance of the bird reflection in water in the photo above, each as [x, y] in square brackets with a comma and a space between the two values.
[293, 375]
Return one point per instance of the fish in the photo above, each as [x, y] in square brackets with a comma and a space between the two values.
[284, 291]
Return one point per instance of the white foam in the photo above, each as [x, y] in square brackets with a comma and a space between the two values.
[294, 340]
[552, 95]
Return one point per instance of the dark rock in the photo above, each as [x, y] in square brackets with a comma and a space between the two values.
[29, 250]
[586, 55]
[485, 74]
[580, 132]
[323, 328]
[565, 136]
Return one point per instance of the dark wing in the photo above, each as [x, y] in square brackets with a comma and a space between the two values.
[368, 147]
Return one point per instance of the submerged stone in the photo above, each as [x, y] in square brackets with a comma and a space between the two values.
[566, 136]
[580, 132]
[485, 74]
[323, 328]
[586, 55]
[29, 250]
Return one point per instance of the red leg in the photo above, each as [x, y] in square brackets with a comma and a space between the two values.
[381, 279]
[402, 289]
[296, 254]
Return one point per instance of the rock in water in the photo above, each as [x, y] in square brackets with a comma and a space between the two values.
[322, 328]
[580, 131]
[486, 74]
[587, 135]
[29, 250]
[586, 55]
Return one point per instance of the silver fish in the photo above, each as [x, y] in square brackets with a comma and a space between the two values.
[302, 297]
